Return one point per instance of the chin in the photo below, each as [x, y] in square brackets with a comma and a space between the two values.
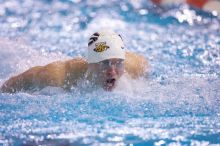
[106, 88]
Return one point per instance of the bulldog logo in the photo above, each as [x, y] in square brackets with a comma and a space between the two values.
[100, 47]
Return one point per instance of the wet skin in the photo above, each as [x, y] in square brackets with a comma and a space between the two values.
[66, 74]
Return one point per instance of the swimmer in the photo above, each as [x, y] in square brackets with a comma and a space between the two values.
[107, 61]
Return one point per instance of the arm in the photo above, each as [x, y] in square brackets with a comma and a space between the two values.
[58, 74]
[20, 82]
[36, 77]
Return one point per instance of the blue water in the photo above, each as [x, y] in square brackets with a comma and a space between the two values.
[178, 103]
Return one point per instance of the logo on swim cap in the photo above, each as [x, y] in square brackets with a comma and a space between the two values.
[100, 47]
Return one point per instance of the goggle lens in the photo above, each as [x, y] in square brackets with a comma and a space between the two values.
[119, 64]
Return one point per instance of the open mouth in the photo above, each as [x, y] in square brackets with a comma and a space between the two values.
[110, 83]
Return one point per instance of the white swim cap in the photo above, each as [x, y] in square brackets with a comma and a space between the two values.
[105, 45]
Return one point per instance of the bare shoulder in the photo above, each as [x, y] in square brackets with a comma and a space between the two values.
[76, 62]
[76, 65]
[51, 74]
[135, 64]
[62, 73]
[75, 69]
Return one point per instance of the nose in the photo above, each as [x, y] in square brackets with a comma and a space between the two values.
[111, 71]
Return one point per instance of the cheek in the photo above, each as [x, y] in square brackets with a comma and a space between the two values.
[120, 72]
[101, 73]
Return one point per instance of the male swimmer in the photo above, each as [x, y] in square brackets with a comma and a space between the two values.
[107, 61]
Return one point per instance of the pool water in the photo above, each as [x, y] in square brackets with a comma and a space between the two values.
[177, 103]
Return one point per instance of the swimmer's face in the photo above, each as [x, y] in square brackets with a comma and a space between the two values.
[108, 72]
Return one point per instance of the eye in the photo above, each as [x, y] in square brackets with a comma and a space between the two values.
[119, 63]
[106, 63]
